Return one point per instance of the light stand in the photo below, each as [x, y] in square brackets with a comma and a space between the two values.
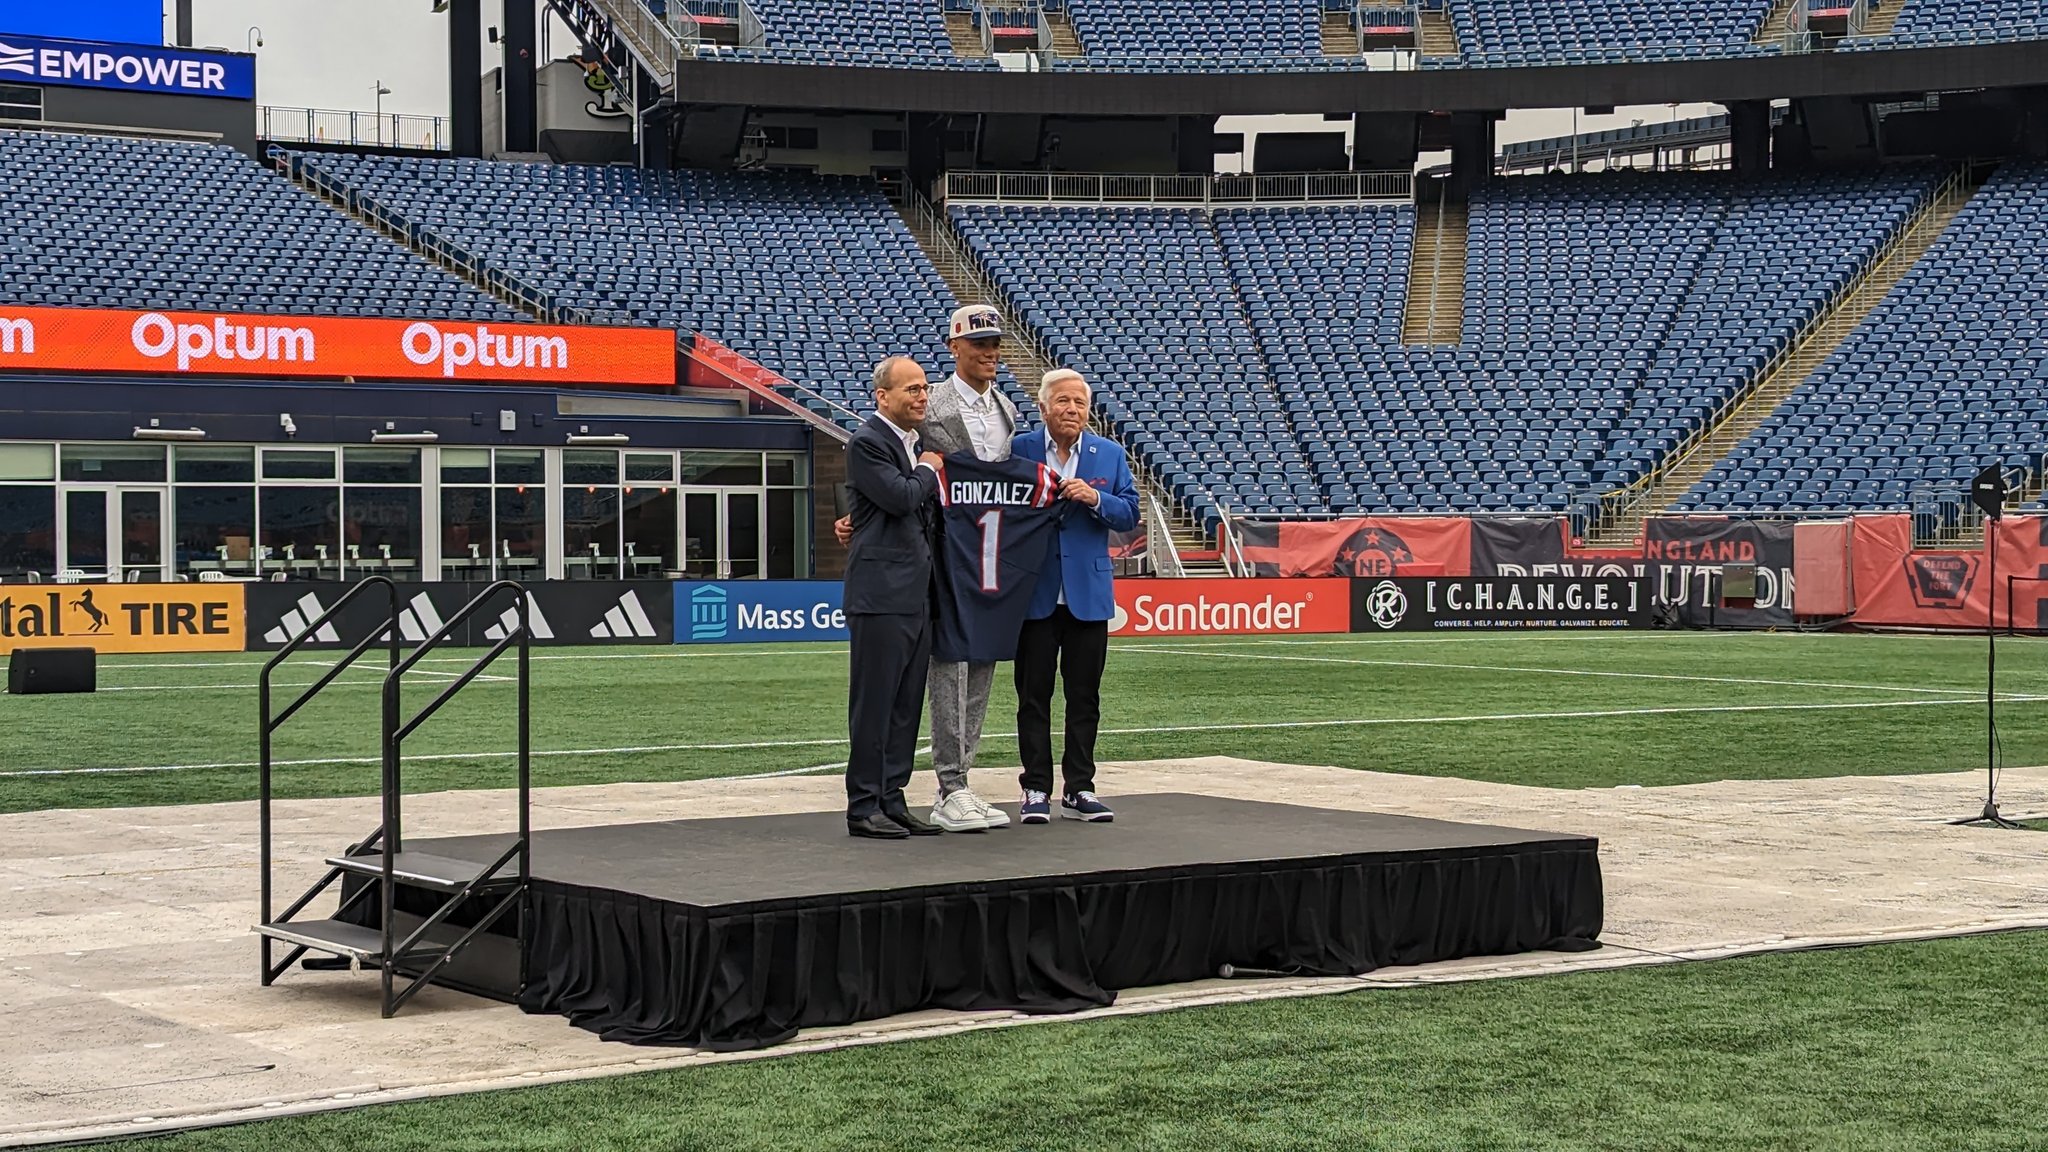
[1987, 492]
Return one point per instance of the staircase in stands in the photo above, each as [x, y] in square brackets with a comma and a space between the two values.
[1778, 25]
[1435, 309]
[1622, 524]
[1880, 18]
[1065, 44]
[966, 38]
[1433, 32]
[1340, 35]
[1029, 360]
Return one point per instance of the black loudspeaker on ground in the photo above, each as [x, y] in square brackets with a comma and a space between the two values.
[36, 670]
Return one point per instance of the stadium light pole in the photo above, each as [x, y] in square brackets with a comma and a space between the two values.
[382, 92]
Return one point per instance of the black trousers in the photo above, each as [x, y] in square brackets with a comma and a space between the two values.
[1076, 650]
[887, 658]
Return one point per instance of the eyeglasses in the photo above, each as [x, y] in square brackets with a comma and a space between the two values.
[916, 389]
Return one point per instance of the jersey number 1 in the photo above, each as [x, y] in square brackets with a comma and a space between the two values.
[991, 546]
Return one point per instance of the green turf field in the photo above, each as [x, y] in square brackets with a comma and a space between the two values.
[1906, 1046]
[1556, 710]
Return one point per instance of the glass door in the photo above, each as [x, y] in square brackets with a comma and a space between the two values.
[116, 534]
[724, 533]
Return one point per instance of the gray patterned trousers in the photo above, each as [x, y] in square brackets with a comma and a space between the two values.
[959, 696]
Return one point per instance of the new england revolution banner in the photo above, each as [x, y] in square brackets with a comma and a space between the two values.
[1685, 555]
[1360, 546]
[1425, 604]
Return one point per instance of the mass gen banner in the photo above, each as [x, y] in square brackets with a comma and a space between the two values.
[330, 347]
[1360, 546]
[1685, 555]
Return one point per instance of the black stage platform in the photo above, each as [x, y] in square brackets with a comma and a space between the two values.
[734, 933]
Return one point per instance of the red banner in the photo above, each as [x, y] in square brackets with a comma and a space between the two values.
[1366, 546]
[1230, 607]
[331, 347]
[1899, 585]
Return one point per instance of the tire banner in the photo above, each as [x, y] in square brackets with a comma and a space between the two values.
[1361, 546]
[1504, 603]
[1685, 555]
[122, 617]
[1898, 585]
[563, 613]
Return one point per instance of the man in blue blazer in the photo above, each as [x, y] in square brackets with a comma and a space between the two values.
[1066, 629]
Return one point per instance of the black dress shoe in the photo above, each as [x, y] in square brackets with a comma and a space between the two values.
[876, 826]
[914, 826]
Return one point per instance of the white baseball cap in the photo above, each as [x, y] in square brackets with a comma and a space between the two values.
[975, 322]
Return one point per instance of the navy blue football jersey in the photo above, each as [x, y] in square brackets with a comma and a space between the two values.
[997, 518]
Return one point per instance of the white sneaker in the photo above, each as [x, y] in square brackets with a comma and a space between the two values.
[991, 815]
[960, 812]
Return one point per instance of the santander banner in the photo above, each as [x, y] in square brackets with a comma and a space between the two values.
[244, 344]
[1277, 606]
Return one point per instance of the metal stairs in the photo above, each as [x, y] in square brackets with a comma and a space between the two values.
[364, 931]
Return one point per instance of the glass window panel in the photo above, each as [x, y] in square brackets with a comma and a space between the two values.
[103, 463]
[743, 535]
[465, 532]
[301, 528]
[298, 464]
[590, 532]
[142, 532]
[85, 530]
[701, 528]
[382, 531]
[216, 528]
[712, 467]
[519, 466]
[214, 464]
[465, 465]
[651, 467]
[649, 522]
[28, 530]
[522, 531]
[380, 465]
[789, 469]
[584, 466]
[28, 461]
[789, 533]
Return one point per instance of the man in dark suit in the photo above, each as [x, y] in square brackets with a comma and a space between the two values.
[888, 602]
[1066, 629]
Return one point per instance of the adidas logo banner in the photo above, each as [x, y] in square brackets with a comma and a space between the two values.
[563, 612]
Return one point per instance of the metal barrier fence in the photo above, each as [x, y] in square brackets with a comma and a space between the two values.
[1191, 190]
[359, 129]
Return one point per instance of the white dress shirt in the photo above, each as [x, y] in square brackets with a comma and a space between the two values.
[1062, 468]
[909, 439]
[982, 413]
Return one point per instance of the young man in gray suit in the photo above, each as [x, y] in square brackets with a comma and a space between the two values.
[966, 413]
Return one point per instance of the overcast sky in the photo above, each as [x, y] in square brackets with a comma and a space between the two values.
[329, 54]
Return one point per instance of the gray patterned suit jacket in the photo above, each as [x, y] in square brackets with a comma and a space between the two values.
[943, 430]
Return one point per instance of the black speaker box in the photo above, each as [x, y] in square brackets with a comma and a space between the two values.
[34, 670]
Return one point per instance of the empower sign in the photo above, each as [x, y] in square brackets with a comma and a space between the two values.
[128, 67]
[239, 344]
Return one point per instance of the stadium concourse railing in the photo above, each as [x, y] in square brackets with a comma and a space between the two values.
[305, 170]
[1614, 510]
[362, 129]
[1179, 191]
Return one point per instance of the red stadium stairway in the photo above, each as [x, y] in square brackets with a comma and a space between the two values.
[1435, 311]
[1622, 513]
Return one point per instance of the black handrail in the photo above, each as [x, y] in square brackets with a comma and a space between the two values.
[396, 730]
[270, 724]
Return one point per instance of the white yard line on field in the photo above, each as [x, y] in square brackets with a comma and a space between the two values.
[1168, 729]
[1758, 682]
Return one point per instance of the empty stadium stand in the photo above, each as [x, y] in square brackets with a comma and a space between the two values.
[870, 33]
[1944, 377]
[1914, 22]
[1173, 35]
[89, 225]
[1508, 32]
[815, 277]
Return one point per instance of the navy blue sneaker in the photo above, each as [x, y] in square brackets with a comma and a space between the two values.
[1084, 806]
[1036, 808]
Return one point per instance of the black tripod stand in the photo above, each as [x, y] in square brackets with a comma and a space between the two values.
[1987, 492]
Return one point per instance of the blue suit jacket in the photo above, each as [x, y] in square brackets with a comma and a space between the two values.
[1078, 562]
